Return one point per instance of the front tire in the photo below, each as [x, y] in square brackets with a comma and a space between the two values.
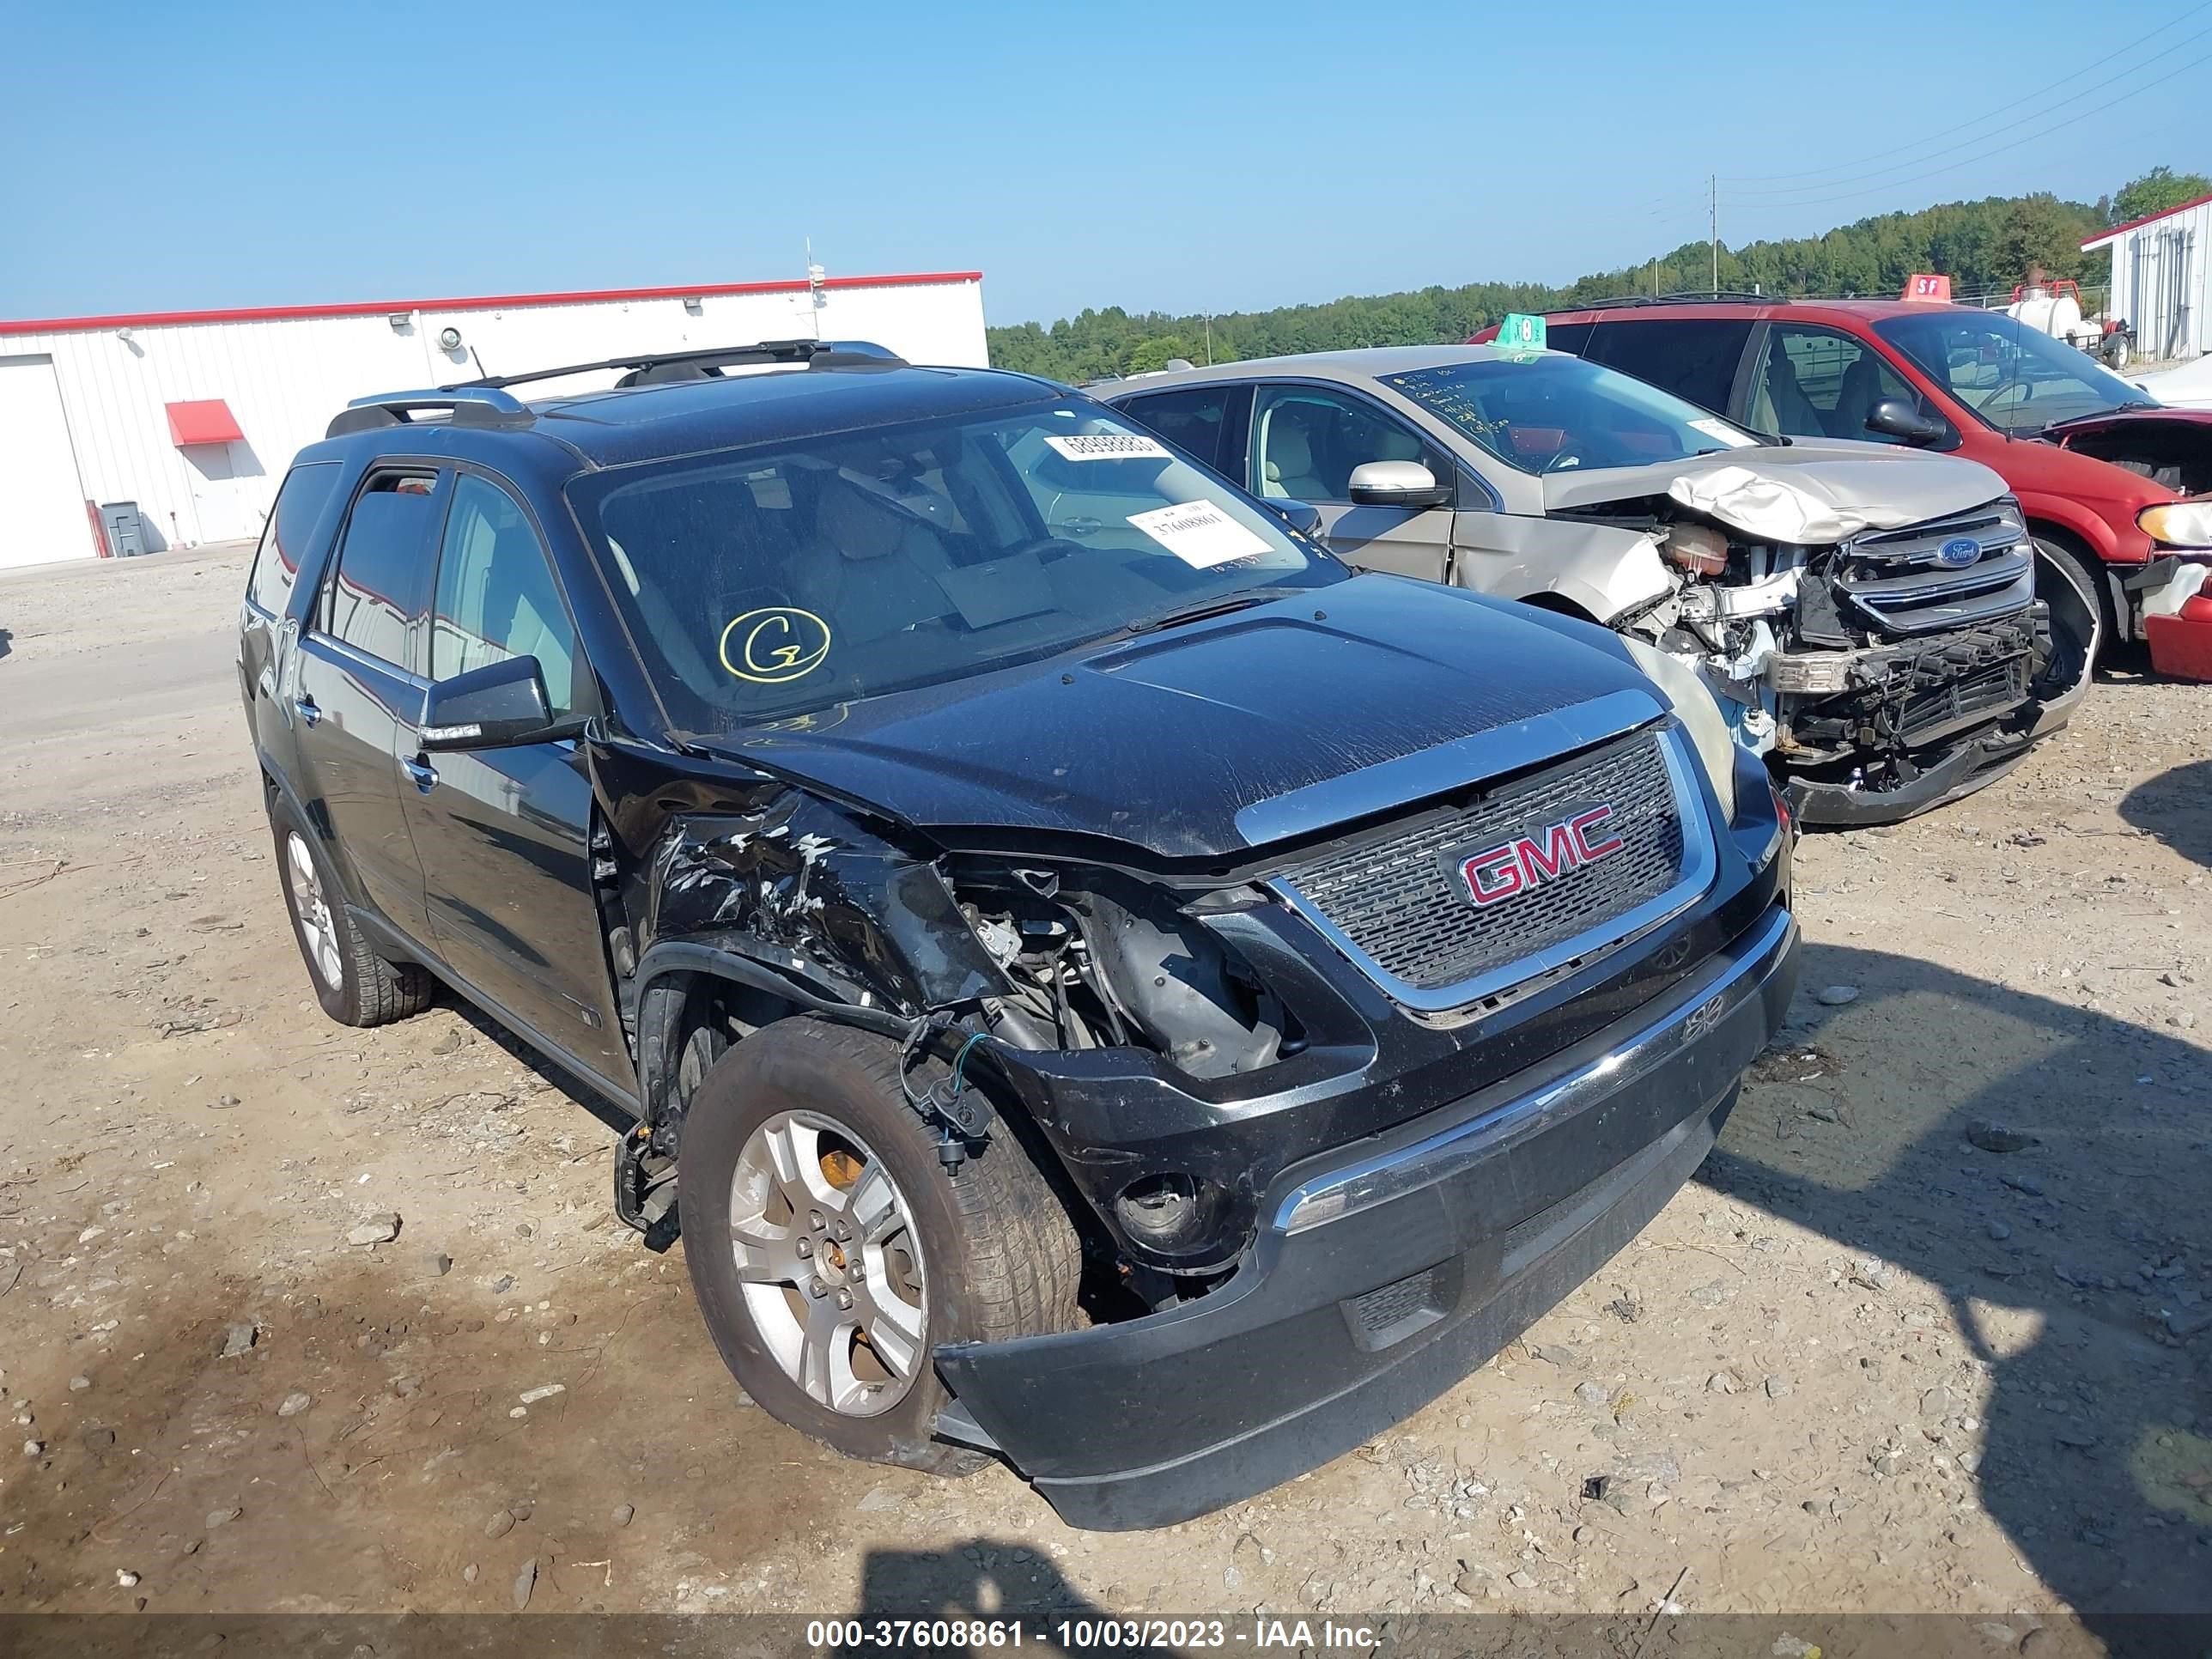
[832, 1252]
[354, 986]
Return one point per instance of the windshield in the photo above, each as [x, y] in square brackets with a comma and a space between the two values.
[1549, 412]
[765, 583]
[2016, 380]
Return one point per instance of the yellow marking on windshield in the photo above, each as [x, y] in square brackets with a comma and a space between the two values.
[776, 643]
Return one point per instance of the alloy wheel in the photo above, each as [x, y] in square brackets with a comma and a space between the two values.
[319, 930]
[829, 1262]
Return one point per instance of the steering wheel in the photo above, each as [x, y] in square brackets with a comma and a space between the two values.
[1564, 459]
[2026, 389]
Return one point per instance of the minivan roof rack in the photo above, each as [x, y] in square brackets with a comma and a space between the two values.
[469, 405]
[1704, 297]
[659, 367]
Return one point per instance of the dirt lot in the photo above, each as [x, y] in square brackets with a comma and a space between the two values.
[1863, 1362]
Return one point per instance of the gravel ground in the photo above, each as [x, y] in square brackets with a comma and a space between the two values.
[1928, 1333]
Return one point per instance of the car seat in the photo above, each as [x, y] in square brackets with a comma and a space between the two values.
[1289, 464]
[864, 569]
[1782, 399]
[1862, 391]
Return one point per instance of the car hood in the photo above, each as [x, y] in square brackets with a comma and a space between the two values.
[1801, 492]
[1207, 740]
[2189, 387]
[2195, 421]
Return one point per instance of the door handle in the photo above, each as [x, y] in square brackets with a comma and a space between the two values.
[424, 774]
[306, 708]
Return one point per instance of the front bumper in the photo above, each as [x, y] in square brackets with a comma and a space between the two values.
[2177, 617]
[1384, 1272]
[1981, 760]
[1971, 762]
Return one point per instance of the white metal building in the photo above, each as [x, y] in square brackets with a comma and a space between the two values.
[194, 415]
[2160, 278]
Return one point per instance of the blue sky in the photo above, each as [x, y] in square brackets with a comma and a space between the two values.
[1188, 156]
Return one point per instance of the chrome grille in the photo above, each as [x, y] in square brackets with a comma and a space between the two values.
[1899, 580]
[1398, 904]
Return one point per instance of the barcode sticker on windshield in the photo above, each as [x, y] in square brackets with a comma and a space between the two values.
[1722, 433]
[1199, 533]
[1110, 446]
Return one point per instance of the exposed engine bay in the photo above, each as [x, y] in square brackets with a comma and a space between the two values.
[2169, 453]
[1864, 663]
[1115, 964]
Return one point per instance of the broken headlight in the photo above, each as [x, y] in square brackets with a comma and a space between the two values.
[1699, 714]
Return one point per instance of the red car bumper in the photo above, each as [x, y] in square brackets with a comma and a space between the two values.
[2181, 644]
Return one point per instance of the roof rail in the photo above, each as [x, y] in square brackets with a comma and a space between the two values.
[659, 367]
[473, 405]
[1723, 297]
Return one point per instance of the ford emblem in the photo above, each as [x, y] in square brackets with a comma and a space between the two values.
[1959, 549]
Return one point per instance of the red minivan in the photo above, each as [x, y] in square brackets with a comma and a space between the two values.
[2106, 476]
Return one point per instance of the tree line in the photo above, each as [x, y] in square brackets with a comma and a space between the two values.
[1983, 247]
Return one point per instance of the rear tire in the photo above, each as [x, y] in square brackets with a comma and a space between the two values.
[802, 1130]
[356, 985]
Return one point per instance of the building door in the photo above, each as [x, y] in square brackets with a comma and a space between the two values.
[42, 515]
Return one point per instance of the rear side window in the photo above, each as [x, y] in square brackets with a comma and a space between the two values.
[300, 503]
[1192, 419]
[1694, 358]
[1568, 337]
[383, 582]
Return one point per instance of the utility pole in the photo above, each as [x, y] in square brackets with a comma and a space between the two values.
[1713, 209]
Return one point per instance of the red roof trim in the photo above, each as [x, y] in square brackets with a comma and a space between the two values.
[2105, 236]
[202, 420]
[482, 302]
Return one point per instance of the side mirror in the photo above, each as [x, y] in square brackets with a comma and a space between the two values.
[490, 707]
[1899, 419]
[1397, 484]
[1301, 516]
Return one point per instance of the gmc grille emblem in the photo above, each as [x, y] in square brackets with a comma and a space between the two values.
[1514, 866]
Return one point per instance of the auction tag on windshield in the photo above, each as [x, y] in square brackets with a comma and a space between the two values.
[1722, 433]
[1110, 446]
[1199, 533]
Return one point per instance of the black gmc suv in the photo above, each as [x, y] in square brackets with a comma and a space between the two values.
[1128, 995]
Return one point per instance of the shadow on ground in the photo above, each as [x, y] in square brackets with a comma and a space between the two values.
[2176, 808]
[2076, 1265]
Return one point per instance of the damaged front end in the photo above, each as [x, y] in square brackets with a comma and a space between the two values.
[1882, 673]
[1301, 1100]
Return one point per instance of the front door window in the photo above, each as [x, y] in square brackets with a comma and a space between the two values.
[1822, 383]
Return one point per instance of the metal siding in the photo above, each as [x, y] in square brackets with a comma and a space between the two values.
[2162, 282]
[284, 378]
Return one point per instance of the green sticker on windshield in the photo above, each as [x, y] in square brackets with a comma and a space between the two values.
[1521, 333]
